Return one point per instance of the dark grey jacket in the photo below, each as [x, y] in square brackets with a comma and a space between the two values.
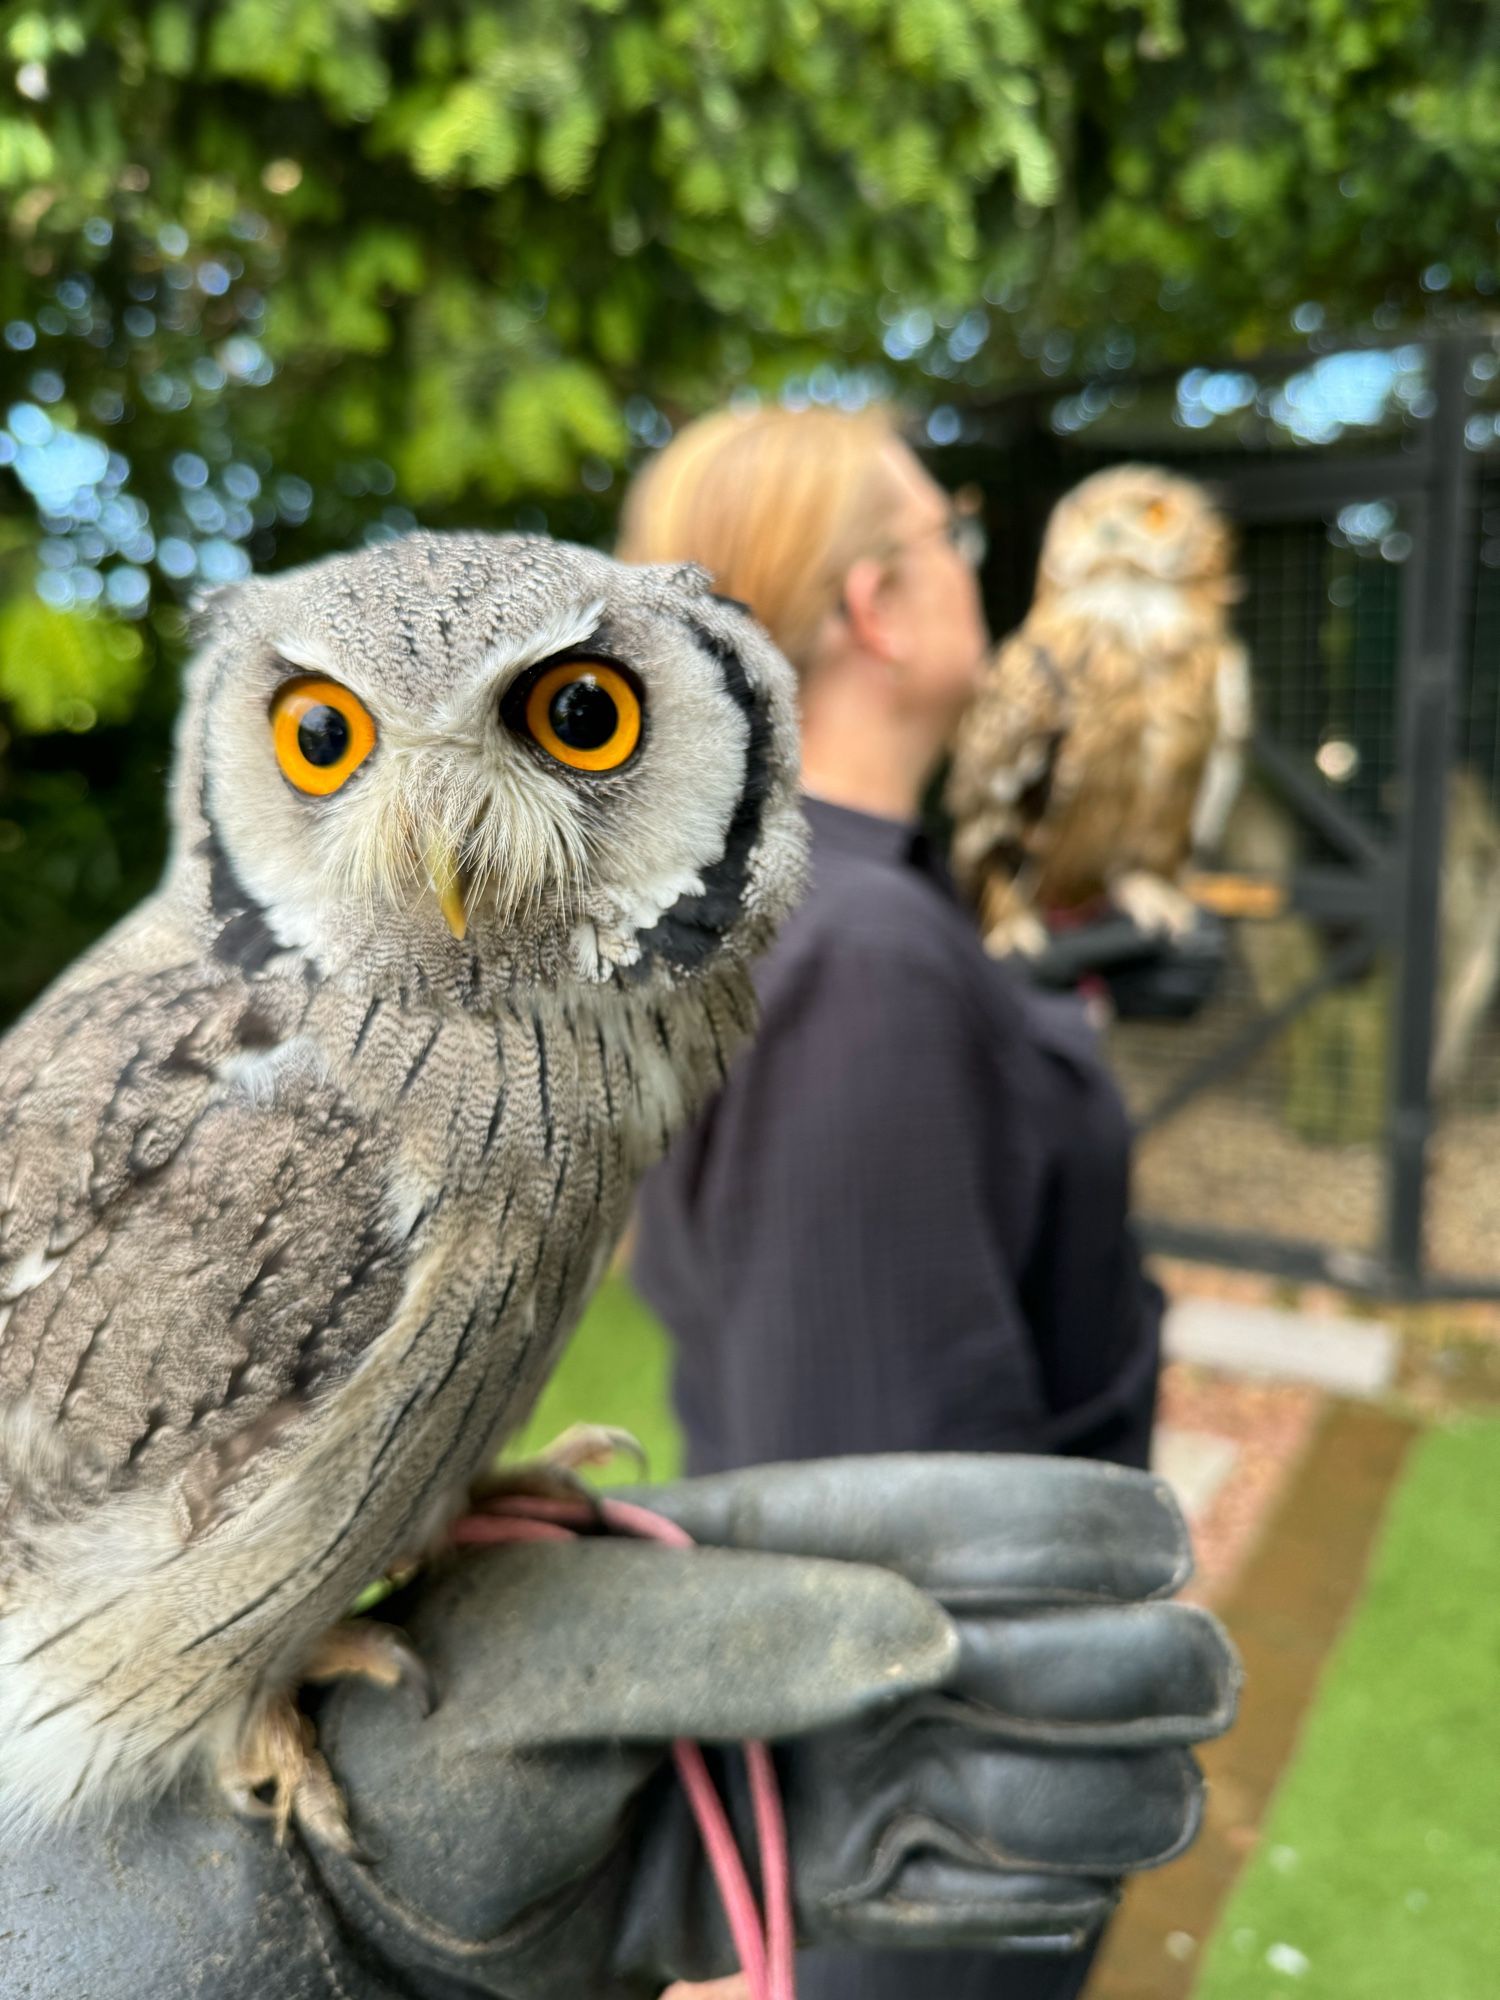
[903, 1225]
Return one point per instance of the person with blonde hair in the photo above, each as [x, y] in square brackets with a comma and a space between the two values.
[903, 1223]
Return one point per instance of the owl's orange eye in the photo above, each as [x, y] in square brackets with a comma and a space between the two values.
[585, 713]
[1156, 516]
[322, 734]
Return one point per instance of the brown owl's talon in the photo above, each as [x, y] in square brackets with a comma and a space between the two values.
[1154, 904]
[1019, 933]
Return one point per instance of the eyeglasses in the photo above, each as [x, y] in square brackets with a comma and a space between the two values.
[963, 530]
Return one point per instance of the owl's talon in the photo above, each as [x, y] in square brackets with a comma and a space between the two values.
[277, 1773]
[1154, 904]
[553, 1473]
[582, 1445]
[1019, 932]
[321, 1813]
[364, 1649]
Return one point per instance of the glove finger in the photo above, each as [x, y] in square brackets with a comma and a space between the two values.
[938, 1902]
[1112, 1677]
[918, 1784]
[978, 1532]
[577, 1642]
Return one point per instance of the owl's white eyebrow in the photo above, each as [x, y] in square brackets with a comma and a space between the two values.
[307, 654]
[569, 626]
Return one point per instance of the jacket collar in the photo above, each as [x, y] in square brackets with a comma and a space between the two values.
[862, 833]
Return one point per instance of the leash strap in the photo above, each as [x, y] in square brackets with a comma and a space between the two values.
[764, 1941]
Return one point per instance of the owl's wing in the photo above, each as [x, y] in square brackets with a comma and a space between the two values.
[186, 1256]
[1005, 760]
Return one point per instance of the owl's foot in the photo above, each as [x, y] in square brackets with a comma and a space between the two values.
[551, 1475]
[276, 1771]
[1019, 930]
[1152, 903]
[1007, 921]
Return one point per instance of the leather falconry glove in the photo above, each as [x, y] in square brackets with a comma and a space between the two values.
[980, 1705]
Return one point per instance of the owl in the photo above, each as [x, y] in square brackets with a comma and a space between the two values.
[308, 1167]
[1105, 745]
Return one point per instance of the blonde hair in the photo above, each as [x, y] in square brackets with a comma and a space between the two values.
[776, 504]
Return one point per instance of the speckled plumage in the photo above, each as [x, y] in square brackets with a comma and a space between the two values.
[1105, 743]
[299, 1191]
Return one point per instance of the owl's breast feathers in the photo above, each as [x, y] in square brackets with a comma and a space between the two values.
[221, 1190]
[1085, 744]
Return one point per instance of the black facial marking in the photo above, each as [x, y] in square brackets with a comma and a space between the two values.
[245, 939]
[691, 930]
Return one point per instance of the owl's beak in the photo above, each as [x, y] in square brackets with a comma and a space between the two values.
[445, 873]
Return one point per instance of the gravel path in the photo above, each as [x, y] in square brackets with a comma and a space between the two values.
[1270, 1426]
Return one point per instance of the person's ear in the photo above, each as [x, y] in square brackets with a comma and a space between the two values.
[865, 607]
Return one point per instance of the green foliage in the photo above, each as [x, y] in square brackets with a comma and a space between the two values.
[289, 272]
[615, 1370]
[65, 669]
[659, 191]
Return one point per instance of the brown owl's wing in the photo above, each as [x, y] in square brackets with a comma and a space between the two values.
[1005, 760]
[184, 1251]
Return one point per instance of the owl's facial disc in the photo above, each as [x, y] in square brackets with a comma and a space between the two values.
[323, 733]
[465, 765]
[583, 712]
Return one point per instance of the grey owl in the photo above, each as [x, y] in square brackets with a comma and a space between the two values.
[308, 1167]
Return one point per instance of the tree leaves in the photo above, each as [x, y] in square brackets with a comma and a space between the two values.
[65, 669]
[293, 272]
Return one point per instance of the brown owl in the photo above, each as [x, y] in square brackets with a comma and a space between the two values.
[1104, 746]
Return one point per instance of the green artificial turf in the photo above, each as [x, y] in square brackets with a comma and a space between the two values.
[615, 1371]
[1379, 1874]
